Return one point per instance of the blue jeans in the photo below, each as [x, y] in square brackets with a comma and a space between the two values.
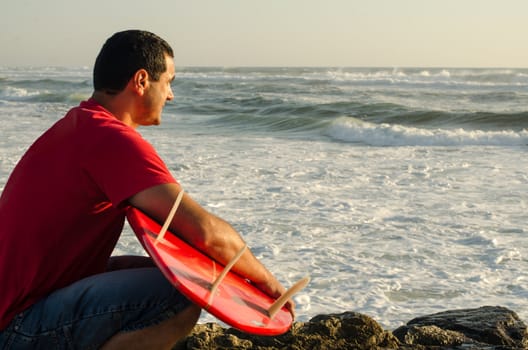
[87, 313]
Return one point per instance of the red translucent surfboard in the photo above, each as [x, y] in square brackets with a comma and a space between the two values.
[235, 301]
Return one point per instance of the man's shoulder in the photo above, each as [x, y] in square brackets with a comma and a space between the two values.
[92, 117]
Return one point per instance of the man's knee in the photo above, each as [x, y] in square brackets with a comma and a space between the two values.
[190, 316]
[163, 335]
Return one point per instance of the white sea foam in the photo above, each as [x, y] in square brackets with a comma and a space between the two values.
[354, 130]
[14, 93]
[391, 232]
[435, 219]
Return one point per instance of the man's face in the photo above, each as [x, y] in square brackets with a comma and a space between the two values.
[157, 93]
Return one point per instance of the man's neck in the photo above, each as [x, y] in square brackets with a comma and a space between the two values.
[117, 104]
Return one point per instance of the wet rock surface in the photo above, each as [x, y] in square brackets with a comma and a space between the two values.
[490, 325]
[487, 327]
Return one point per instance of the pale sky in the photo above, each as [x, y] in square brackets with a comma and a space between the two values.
[372, 33]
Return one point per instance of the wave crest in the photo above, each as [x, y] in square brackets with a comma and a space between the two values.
[354, 130]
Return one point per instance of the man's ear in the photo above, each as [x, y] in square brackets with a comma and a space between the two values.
[140, 81]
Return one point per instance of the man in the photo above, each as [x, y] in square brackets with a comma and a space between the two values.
[62, 211]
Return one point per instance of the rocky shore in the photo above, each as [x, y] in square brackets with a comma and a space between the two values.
[487, 328]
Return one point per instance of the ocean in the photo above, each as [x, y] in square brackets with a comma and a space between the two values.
[400, 191]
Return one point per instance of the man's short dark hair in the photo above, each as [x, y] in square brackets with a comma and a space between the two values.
[123, 54]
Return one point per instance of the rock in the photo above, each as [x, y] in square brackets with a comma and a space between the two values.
[349, 330]
[430, 336]
[490, 325]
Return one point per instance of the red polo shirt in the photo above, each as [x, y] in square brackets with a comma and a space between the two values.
[62, 209]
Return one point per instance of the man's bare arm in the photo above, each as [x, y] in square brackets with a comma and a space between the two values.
[207, 232]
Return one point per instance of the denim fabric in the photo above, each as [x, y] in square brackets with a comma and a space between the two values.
[87, 313]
